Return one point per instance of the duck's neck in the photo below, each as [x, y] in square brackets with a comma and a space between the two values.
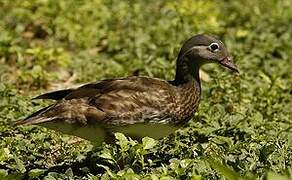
[188, 85]
[187, 73]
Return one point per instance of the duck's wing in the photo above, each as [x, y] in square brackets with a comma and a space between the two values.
[89, 89]
[117, 101]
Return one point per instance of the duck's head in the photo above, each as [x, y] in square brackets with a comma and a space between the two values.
[202, 49]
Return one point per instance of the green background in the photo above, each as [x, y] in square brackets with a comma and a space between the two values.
[242, 129]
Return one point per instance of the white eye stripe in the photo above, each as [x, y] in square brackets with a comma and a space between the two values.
[214, 47]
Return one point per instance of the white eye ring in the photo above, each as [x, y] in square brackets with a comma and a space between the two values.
[214, 47]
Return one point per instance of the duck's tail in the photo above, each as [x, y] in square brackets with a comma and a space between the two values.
[36, 118]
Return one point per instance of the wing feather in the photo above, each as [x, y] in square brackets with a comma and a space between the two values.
[55, 95]
[117, 101]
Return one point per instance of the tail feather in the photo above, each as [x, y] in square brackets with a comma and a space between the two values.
[55, 95]
[35, 118]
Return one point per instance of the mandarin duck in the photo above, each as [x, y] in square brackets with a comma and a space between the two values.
[136, 106]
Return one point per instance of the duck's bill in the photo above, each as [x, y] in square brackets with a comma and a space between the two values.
[227, 62]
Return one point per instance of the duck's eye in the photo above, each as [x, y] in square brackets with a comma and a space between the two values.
[214, 47]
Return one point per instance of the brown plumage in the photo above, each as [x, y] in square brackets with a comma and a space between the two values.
[137, 106]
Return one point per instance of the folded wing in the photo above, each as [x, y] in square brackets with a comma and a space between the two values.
[117, 101]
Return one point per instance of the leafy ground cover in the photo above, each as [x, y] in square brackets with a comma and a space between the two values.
[241, 131]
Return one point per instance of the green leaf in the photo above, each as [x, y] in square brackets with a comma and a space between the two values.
[4, 154]
[36, 172]
[3, 173]
[224, 170]
[148, 143]
[106, 154]
[69, 173]
[122, 141]
[19, 164]
[274, 176]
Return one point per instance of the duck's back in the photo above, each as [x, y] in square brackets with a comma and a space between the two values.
[136, 100]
